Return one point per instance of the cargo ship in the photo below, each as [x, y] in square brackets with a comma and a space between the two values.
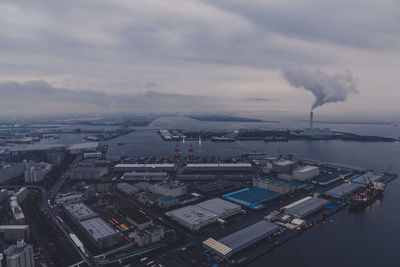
[366, 197]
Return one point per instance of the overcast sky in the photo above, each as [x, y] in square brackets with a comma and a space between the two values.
[193, 56]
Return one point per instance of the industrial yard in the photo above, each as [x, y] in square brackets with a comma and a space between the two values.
[189, 210]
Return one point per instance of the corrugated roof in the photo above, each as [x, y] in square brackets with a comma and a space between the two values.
[248, 235]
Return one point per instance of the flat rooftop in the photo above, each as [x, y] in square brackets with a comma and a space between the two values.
[251, 196]
[98, 228]
[37, 147]
[342, 190]
[331, 176]
[307, 168]
[219, 206]
[366, 178]
[88, 145]
[193, 214]
[14, 227]
[284, 162]
[241, 239]
[80, 211]
[305, 206]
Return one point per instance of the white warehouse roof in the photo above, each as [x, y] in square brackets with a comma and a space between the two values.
[88, 145]
[220, 207]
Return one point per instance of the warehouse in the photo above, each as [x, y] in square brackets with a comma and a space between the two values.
[145, 176]
[84, 147]
[284, 166]
[221, 207]
[88, 173]
[96, 229]
[342, 191]
[79, 211]
[305, 173]
[241, 239]
[169, 188]
[219, 167]
[366, 178]
[193, 217]
[280, 186]
[127, 189]
[305, 206]
[331, 176]
[251, 197]
[100, 233]
[164, 167]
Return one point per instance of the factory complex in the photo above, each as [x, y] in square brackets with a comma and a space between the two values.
[209, 211]
[205, 213]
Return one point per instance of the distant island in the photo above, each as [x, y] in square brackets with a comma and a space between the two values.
[226, 118]
[352, 122]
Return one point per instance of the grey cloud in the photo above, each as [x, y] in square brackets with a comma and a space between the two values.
[260, 99]
[41, 97]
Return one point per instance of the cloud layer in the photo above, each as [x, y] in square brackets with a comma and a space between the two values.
[226, 48]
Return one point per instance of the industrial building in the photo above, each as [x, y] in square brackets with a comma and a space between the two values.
[145, 176]
[193, 217]
[79, 211]
[14, 232]
[305, 206]
[150, 235]
[284, 166]
[241, 239]
[220, 207]
[88, 173]
[173, 188]
[68, 198]
[84, 147]
[332, 176]
[127, 189]
[164, 167]
[367, 178]
[280, 186]
[343, 190]
[305, 173]
[18, 255]
[219, 167]
[205, 213]
[101, 234]
[251, 197]
[168, 201]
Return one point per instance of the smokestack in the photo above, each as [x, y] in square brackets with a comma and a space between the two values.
[311, 119]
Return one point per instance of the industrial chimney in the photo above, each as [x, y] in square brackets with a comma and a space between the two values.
[311, 119]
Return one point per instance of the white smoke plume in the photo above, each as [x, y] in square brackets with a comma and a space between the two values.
[326, 88]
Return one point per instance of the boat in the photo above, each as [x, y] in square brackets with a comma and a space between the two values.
[371, 192]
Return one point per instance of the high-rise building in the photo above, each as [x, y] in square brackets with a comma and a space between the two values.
[20, 255]
[35, 172]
